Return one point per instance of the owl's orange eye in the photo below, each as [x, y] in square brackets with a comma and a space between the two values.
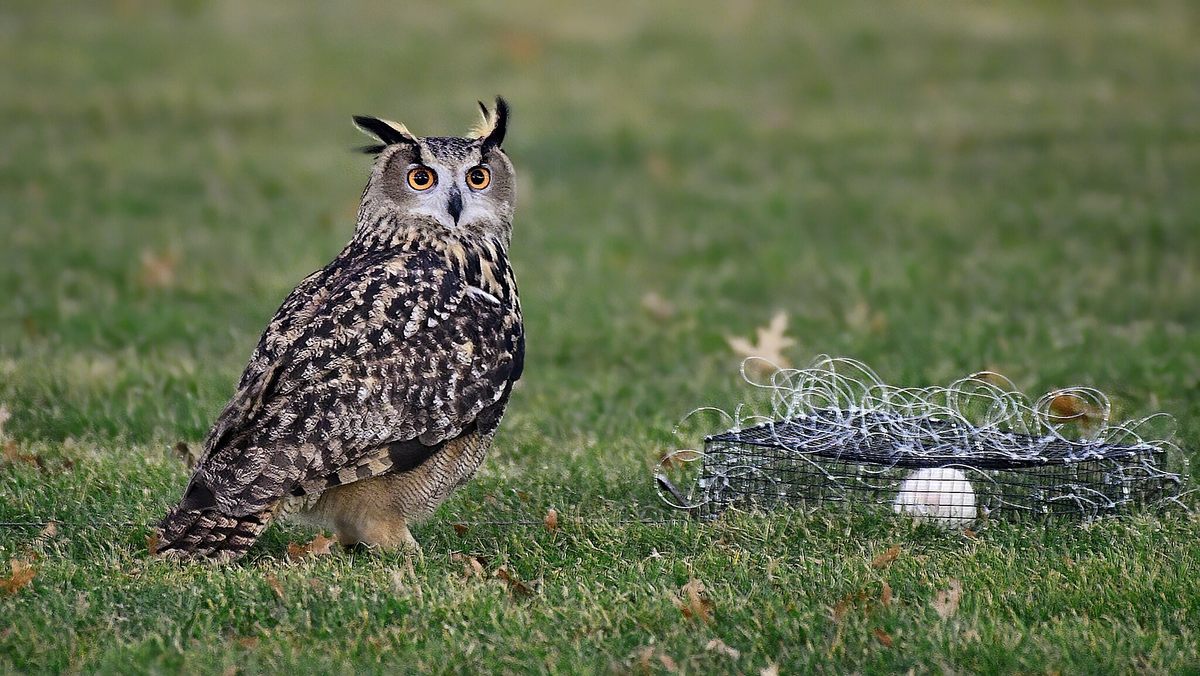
[479, 177]
[421, 178]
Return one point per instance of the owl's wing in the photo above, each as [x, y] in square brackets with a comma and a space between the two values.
[386, 349]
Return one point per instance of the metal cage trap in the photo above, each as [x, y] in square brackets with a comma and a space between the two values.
[951, 455]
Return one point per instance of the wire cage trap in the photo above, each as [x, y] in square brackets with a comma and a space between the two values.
[835, 433]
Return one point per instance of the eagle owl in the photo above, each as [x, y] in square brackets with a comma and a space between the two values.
[377, 387]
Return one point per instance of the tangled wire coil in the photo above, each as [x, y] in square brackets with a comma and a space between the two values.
[835, 432]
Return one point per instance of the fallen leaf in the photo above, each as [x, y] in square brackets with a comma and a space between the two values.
[514, 585]
[13, 455]
[883, 637]
[22, 574]
[231, 670]
[471, 565]
[657, 307]
[460, 528]
[771, 669]
[885, 597]
[886, 558]
[678, 458]
[971, 534]
[523, 496]
[318, 546]
[695, 604]
[152, 542]
[946, 601]
[668, 663]
[273, 583]
[248, 642]
[718, 646]
[1067, 407]
[551, 519]
[157, 269]
[767, 353]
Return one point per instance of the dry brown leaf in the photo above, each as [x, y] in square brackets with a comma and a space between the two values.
[551, 519]
[471, 565]
[657, 307]
[22, 574]
[1066, 407]
[460, 528]
[885, 559]
[13, 455]
[718, 646]
[885, 597]
[946, 601]
[768, 351]
[273, 583]
[668, 663]
[152, 543]
[771, 669]
[695, 604]
[231, 670]
[318, 546]
[157, 269]
[248, 642]
[514, 585]
[678, 458]
[883, 637]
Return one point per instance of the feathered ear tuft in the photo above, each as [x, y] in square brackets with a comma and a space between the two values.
[494, 124]
[386, 131]
[484, 126]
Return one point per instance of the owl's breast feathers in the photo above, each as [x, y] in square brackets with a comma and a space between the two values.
[399, 350]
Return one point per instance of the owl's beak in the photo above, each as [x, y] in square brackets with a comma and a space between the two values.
[454, 206]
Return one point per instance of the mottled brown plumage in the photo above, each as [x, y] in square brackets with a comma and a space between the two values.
[377, 387]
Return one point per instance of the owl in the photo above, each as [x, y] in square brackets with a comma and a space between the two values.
[377, 387]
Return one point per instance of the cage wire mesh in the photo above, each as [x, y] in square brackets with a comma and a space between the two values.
[834, 432]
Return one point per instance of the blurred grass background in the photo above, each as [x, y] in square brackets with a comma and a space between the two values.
[934, 188]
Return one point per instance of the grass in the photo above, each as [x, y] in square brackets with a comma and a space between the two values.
[935, 189]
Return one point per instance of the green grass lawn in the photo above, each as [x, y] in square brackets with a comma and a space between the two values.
[933, 188]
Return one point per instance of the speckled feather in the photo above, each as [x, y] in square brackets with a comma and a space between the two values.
[409, 339]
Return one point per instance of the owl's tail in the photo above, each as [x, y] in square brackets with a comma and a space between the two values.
[196, 534]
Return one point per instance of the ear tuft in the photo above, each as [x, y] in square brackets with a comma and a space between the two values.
[484, 126]
[498, 125]
[386, 131]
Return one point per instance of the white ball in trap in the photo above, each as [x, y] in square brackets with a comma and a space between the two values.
[938, 495]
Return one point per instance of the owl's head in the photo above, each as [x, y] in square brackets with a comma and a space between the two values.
[463, 186]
